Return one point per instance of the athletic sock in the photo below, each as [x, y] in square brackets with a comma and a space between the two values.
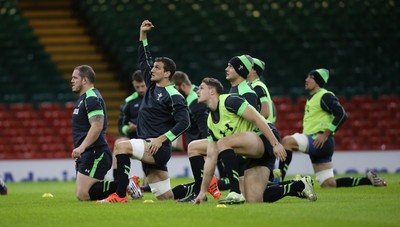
[115, 174]
[221, 169]
[145, 188]
[197, 164]
[280, 183]
[352, 181]
[123, 169]
[276, 192]
[284, 165]
[231, 164]
[223, 184]
[102, 189]
[183, 190]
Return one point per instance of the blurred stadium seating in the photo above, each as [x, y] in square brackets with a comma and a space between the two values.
[26, 72]
[355, 40]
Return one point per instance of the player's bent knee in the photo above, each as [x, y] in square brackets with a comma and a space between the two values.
[253, 199]
[286, 140]
[138, 147]
[197, 147]
[120, 147]
[160, 188]
[297, 142]
[222, 144]
[82, 196]
[325, 178]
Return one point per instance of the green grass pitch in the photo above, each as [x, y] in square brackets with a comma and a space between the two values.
[358, 206]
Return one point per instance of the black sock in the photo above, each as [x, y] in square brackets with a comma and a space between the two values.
[123, 169]
[283, 166]
[352, 181]
[115, 174]
[197, 164]
[183, 190]
[280, 183]
[221, 169]
[145, 188]
[102, 189]
[276, 192]
[231, 164]
[223, 184]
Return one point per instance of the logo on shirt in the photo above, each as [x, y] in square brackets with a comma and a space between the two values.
[76, 110]
[228, 128]
[159, 95]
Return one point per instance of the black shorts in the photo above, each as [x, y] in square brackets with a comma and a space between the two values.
[268, 158]
[161, 158]
[243, 163]
[95, 162]
[323, 154]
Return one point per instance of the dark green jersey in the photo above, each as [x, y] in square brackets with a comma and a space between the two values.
[89, 104]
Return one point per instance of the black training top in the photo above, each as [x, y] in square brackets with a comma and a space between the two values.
[198, 117]
[163, 109]
[89, 104]
[129, 111]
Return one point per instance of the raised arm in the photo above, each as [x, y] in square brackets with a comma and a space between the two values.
[144, 54]
[144, 28]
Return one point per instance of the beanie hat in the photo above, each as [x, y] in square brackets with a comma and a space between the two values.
[242, 65]
[259, 66]
[321, 76]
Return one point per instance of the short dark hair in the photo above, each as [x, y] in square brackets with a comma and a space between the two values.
[212, 82]
[179, 78]
[137, 76]
[169, 65]
[86, 71]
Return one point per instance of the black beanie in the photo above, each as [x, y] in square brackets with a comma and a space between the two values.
[259, 66]
[321, 76]
[242, 65]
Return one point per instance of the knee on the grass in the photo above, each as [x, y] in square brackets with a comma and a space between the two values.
[162, 189]
[82, 196]
[254, 198]
[325, 178]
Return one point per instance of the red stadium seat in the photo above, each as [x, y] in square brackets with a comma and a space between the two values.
[9, 123]
[69, 107]
[47, 106]
[301, 101]
[16, 107]
[26, 114]
[3, 108]
[61, 123]
[33, 123]
[342, 100]
[52, 147]
[358, 100]
[388, 99]
[5, 115]
[280, 100]
[13, 131]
